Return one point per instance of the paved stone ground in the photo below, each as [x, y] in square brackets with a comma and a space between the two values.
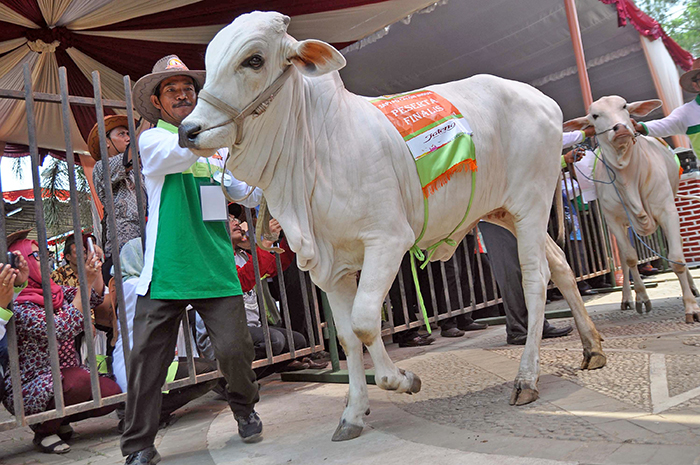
[642, 408]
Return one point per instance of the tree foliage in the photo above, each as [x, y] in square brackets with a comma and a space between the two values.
[54, 177]
[679, 18]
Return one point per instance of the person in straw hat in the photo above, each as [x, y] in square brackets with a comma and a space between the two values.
[684, 119]
[188, 260]
[124, 193]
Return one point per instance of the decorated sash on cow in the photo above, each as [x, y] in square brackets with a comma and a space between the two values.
[439, 138]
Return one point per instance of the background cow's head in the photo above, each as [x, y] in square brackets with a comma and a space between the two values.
[242, 61]
[611, 117]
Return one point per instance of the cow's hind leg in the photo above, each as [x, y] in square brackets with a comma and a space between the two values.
[671, 226]
[563, 277]
[532, 236]
[341, 301]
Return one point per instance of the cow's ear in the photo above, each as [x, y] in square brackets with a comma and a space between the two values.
[315, 57]
[577, 124]
[643, 108]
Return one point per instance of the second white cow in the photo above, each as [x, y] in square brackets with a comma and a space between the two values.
[636, 182]
[343, 184]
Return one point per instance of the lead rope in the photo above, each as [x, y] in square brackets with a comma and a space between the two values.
[416, 253]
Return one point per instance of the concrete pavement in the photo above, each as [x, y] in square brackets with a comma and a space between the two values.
[642, 408]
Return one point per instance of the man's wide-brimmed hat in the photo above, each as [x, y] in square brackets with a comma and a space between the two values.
[688, 77]
[111, 122]
[164, 68]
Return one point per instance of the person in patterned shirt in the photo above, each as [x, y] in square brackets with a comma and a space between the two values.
[123, 181]
[34, 356]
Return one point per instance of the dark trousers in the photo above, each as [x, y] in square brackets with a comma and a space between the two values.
[155, 336]
[502, 248]
[77, 389]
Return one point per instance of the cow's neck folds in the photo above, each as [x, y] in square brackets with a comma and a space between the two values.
[277, 155]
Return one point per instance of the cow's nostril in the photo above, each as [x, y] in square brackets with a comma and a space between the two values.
[193, 132]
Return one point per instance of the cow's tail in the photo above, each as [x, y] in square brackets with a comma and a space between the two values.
[263, 227]
[559, 204]
[688, 197]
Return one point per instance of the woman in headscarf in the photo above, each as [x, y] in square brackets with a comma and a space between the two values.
[34, 357]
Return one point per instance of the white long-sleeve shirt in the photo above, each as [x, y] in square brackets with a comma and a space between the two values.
[683, 120]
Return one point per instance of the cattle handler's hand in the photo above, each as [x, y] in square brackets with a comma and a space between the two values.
[638, 127]
[574, 155]
[590, 131]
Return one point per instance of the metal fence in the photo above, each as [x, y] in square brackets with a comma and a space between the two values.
[587, 248]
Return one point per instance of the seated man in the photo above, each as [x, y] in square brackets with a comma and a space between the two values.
[246, 276]
[131, 259]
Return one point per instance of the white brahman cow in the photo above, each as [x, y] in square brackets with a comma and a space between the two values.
[646, 178]
[342, 183]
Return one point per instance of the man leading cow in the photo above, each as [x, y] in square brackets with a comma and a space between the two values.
[188, 260]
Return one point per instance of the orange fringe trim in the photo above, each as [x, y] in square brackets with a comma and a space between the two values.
[680, 172]
[463, 166]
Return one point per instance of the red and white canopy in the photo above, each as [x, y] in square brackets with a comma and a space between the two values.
[525, 40]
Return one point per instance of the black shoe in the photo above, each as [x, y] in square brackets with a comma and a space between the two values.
[452, 332]
[552, 331]
[548, 333]
[473, 326]
[147, 456]
[250, 427]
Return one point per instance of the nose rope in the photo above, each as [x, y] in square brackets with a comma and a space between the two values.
[257, 106]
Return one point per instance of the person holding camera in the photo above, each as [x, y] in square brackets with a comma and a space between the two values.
[34, 355]
[13, 278]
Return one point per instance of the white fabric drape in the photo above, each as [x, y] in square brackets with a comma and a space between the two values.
[353, 23]
[112, 82]
[9, 15]
[49, 121]
[11, 45]
[665, 74]
[11, 77]
[122, 10]
[9, 61]
[187, 35]
[52, 10]
[79, 8]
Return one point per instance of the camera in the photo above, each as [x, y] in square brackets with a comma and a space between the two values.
[12, 260]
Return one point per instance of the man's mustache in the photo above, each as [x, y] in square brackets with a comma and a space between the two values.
[184, 103]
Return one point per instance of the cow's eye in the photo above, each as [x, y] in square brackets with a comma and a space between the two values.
[624, 107]
[254, 62]
[594, 116]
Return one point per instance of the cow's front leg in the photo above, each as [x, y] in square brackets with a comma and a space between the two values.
[671, 226]
[375, 281]
[629, 259]
[341, 301]
[531, 236]
[563, 277]
[691, 282]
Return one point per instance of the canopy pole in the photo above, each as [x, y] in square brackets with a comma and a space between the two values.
[587, 94]
[575, 32]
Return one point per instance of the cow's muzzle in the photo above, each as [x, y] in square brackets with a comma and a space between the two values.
[188, 133]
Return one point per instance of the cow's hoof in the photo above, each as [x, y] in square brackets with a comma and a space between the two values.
[346, 431]
[690, 318]
[647, 305]
[638, 307]
[626, 304]
[593, 360]
[523, 396]
[415, 384]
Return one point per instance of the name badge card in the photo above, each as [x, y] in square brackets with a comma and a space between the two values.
[213, 203]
